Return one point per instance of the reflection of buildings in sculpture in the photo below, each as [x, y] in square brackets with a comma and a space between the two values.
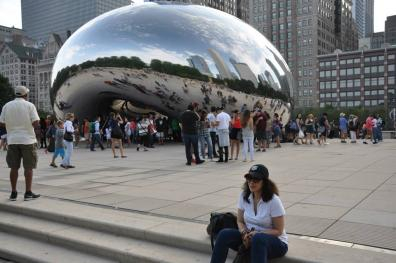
[282, 83]
[224, 72]
[244, 71]
[199, 63]
[284, 79]
[44, 72]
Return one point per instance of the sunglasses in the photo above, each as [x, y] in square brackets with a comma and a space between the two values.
[253, 180]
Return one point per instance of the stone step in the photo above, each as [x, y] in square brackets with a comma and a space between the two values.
[93, 227]
[98, 243]
[23, 249]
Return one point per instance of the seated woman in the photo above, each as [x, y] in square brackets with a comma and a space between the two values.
[260, 221]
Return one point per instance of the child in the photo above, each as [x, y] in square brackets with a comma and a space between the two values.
[59, 145]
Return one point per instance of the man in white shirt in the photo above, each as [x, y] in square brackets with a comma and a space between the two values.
[223, 120]
[212, 130]
[96, 136]
[19, 118]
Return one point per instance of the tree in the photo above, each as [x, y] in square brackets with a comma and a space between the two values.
[6, 91]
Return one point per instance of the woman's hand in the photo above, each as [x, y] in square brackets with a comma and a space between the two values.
[246, 240]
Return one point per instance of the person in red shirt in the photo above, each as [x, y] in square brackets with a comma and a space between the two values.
[236, 134]
[260, 122]
[369, 128]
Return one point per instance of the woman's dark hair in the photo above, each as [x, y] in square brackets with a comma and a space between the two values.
[245, 118]
[203, 115]
[267, 191]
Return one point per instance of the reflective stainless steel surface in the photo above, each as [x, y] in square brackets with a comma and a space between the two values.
[108, 63]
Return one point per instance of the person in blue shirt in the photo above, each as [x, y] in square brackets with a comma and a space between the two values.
[343, 125]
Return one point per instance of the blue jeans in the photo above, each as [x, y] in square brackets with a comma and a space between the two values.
[208, 140]
[69, 150]
[191, 140]
[263, 246]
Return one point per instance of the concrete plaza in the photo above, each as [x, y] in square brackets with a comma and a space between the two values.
[342, 192]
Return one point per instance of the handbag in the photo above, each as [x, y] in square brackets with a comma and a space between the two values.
[68, 136]
[116, 132]
[219, 221]
[301, 134]
[243, 255]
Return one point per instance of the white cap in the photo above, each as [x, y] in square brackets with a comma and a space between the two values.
[21, 91]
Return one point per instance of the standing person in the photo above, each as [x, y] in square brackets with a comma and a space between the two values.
[212, 130]
[51, 132]
[299, 135]
[203, 135]
[277, 128]
[86, 132]
[323, 129]
[143, 133]
[68, 141]
[353, 127]
[116, 134]
[223, 120]
[59, 143]
[380, 125]
[247, 135]
[19, 117]
[369, 128]
[152, 131]
[268, 129]
[260, 219]
[343, 126]
[133, 130]
[260, 122]
[128, 131]
[43, 132]
[160, 124]
[76, 125]
[236, 134]
[96, 135]
[189, 119]
[309, 128]
[375, 130]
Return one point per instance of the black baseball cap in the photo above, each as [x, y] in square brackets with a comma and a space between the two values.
[257, 171]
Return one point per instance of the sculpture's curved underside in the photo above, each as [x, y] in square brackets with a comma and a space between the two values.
[161, 57]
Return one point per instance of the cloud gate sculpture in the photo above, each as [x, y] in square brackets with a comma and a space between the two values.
[161, 57]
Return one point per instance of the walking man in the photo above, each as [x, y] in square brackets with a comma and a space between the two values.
[212, 130]
[189, 120]
[96, 135]
[20, 118]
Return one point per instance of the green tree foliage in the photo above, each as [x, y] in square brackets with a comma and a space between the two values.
[6, 91]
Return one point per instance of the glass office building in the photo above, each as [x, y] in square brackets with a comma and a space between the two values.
[40, 18]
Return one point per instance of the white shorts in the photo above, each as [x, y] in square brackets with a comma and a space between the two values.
[224, 137]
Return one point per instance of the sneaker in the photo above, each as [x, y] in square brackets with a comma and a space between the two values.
[188, 163]
[13, 196]
[230, 159]
[66, 167]
[124, 156]
[220, 161]
[31, 196]
[71, 166]
[263, 150]
[365, 142]
[137, 149]
[258, 150]
[53, 165]
[200, 161]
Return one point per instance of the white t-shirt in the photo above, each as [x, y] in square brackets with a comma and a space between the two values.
[224, 120]
[374, 122]
[68, 127]
[212, 119]
[18, 116]
[265, 211]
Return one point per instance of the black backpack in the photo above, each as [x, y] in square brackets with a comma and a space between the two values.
[219, 221]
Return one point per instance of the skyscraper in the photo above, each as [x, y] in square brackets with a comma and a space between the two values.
[302, 30]
[363, 13]
[390, 30]
[40, 18]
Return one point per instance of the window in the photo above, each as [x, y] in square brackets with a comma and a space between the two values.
[373, 58]
[357, 71]
[374, 69]
[350, 83]
[322, 74]
[374, 92]
[321, 95]
[350, 94]
[350, 61]
[322, 85]
[381, 92]
[392, 56]
[367, 93]
[366, 103]
[357, 93]
[381, 81]
[391, 80]
[334, 84]
[350, 103]
[343, 104]
[356, 60]
[350, 71]
[357, 103]
[391, 67]
[374, 82]
[343, 72]
[367, 70]
[356, 83]
[334, 95]
[342, 62]
[367, 59]
[342, 83]
[374, 103]
[380, 58]
[342, 94]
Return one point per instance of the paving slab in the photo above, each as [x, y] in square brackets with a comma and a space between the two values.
[319, 185]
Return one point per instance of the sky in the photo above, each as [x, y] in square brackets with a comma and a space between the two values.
[10, 13]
